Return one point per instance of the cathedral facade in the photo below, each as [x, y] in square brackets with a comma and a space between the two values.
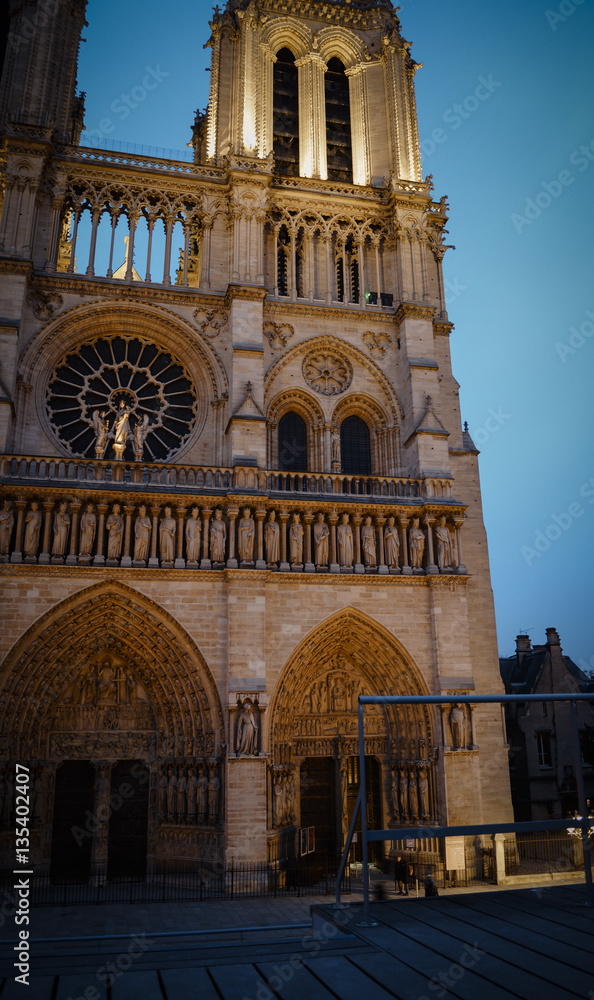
[236, 490]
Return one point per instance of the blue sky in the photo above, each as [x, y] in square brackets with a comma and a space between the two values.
[506, 119]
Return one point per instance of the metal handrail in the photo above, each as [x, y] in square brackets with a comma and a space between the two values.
[473, 829]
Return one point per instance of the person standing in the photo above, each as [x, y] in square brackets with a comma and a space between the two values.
[400, 877]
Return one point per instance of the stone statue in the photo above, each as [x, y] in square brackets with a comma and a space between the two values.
[394, 796]
[391, 543]
[296, 541]
[424, 792]
[338, 696]
[142, 535]
[191, 795]
[106, 683]
[413, 795]
[101, 428]
[321, 533]
[368, 543]
[167, 537]
[247, 730]
[213, 796]
[245, 536]
[121, 429]
[182, 785]
[88, 527]
[345, 542]
[193, 536]
[140, 434]
[458, 727]
[6, 524]
[416, 539]
[335, 448]
[278, 801]
[218, 537]
[403, 785]
[32, 530]
[114, 527]
[171, 793]
[272, 539]
[201, 790]
[444, 545]
[61, 529]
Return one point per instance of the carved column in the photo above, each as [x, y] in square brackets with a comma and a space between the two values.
[231, 518]
[72, 558]
[381, 565]
[180, 562]
[333, 520]
[48, 506]
[461, 568]
[283, 518]
[356, 521]
[403, 524]
[342, 802]
[307, 521]
[99, 559]
[205, 561]
[153, 559]
[126, 559]
[96, 216]
[101, 814]
[17, 555]
[260, 561]
[429, 521]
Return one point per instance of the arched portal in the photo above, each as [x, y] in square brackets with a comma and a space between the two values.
[313, 735]
[109, 680]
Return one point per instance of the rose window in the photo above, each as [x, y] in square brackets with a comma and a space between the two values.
[124, 398]
[328, 374]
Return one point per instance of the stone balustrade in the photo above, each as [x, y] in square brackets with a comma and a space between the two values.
[88, 526]
[158, 477]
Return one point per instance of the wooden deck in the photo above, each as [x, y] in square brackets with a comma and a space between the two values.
[535, 944]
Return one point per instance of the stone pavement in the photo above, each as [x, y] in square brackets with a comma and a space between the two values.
[484, 945]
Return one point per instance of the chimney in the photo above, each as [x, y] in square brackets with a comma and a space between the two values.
[522, 647]
[553, 637]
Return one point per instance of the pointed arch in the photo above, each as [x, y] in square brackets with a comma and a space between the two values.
[376, 662]
[48, 658]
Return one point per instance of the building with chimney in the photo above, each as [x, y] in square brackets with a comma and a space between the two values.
[541, 735]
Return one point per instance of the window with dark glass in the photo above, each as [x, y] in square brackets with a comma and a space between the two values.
[338, 123]
[285, 110]
[355, 447]
[543, 743]
[292, 443]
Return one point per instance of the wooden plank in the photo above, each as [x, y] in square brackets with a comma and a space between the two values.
[480, 972]
[523, 969]
[421, 953]
[555, 916]
[346, 980]
[390, 972]
[238, 981]
[134, 985]
[73, 987]
[189, 984]
[569, 946]
[293, 982]
[39, 988]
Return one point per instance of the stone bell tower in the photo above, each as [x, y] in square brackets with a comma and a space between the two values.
[236, 491]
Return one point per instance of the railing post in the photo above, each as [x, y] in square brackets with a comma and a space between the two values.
[583, 806]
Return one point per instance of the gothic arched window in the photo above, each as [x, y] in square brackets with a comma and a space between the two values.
[355, 447]
[338, 123]
[285, 114]
[292, 443]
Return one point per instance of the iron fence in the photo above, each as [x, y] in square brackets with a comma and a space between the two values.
[187, 882]
[554, 851]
